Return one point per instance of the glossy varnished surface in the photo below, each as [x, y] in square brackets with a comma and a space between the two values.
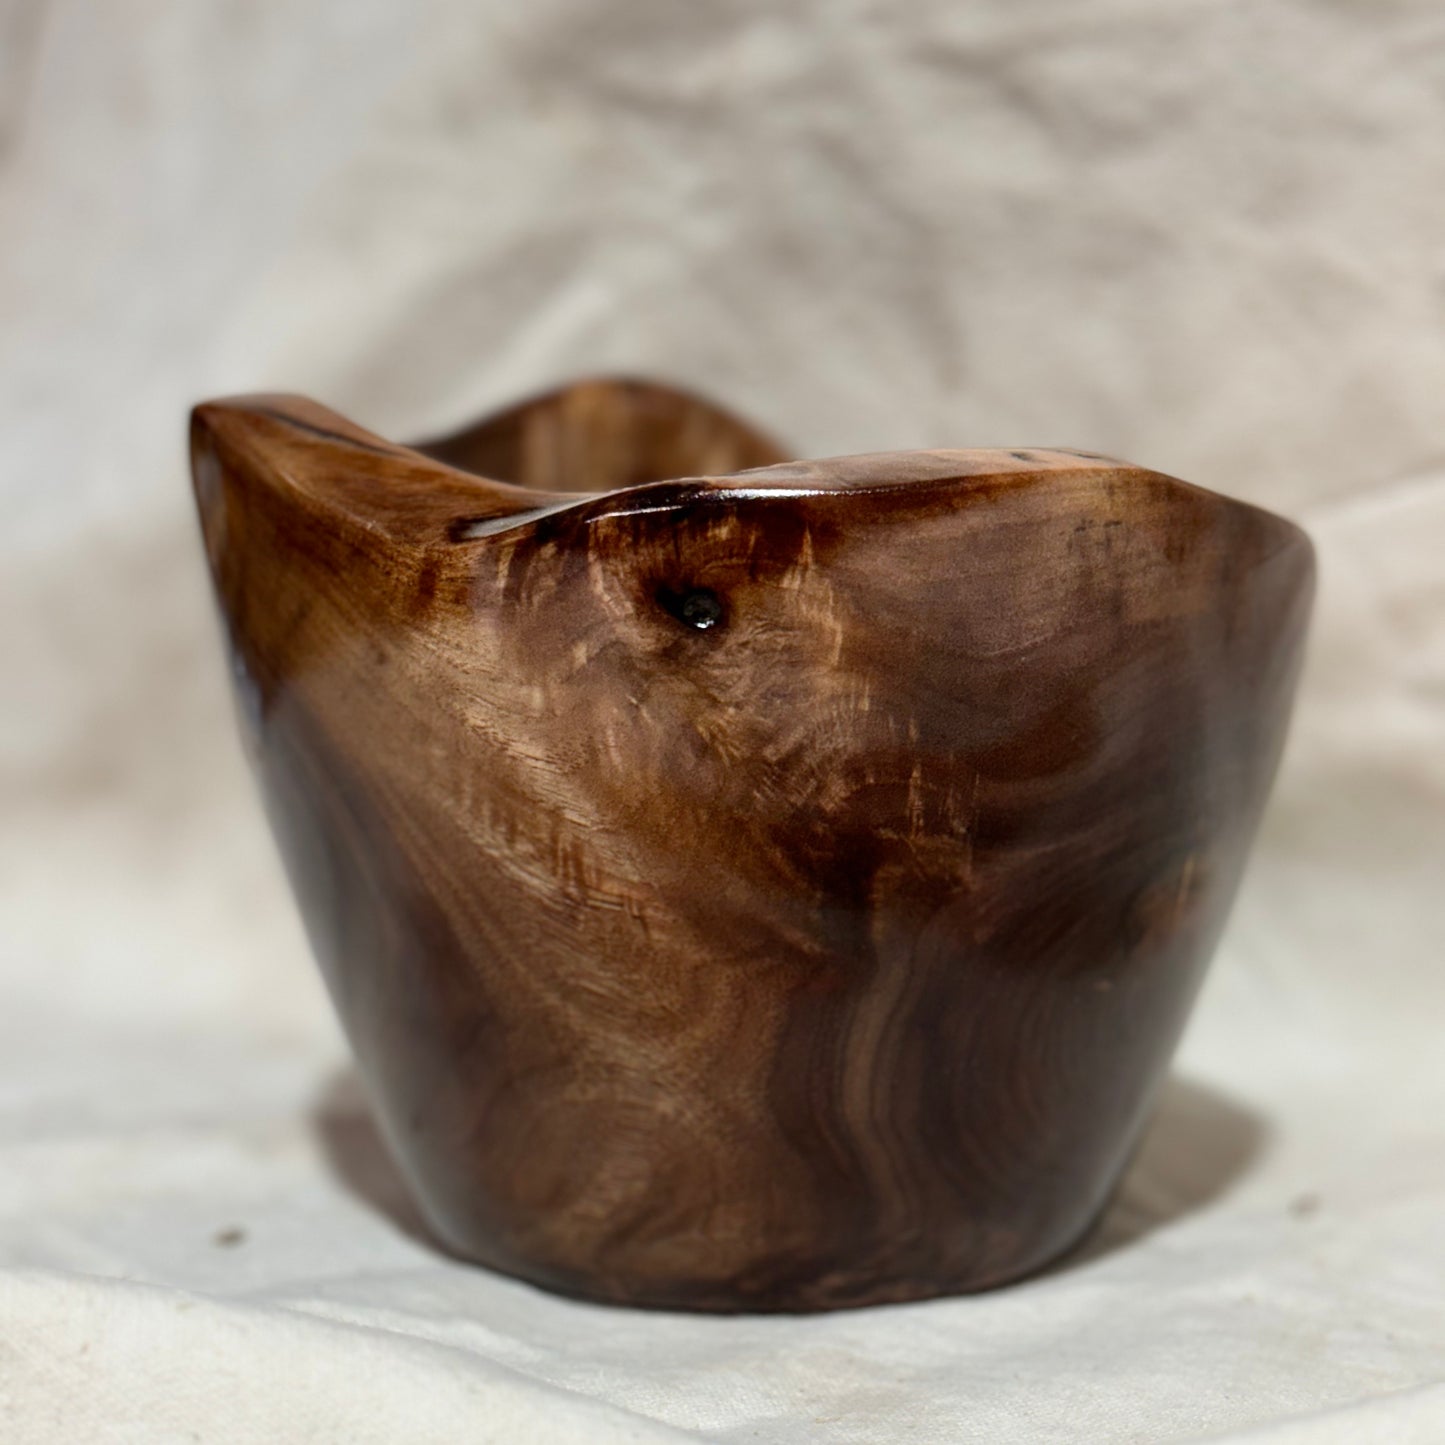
[598, 436]
[772, 891]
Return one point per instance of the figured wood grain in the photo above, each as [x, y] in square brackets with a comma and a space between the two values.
[766, 891]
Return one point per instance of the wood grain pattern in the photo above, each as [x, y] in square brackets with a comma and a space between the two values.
[768, 891]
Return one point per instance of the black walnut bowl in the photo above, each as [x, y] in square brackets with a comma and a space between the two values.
[775, 889]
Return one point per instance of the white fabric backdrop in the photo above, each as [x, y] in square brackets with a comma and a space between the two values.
[1207, 237]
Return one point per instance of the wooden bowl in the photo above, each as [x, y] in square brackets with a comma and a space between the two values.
[773, 891]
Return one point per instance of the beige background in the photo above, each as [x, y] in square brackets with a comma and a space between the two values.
[1209, 237]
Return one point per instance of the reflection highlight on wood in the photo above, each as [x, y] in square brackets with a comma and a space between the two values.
[765, 891]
